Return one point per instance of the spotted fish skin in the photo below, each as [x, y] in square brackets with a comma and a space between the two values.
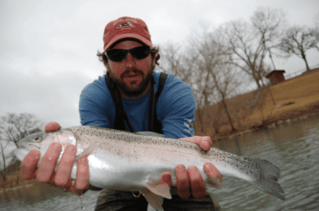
[126, 161]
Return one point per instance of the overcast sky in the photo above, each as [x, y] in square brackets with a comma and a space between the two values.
[48, 48]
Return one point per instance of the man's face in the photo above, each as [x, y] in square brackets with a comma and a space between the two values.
[131, 75]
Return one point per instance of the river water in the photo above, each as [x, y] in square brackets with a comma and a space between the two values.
[293, 147]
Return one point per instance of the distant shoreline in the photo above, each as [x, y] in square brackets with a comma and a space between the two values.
[271, 124]
[292, 100]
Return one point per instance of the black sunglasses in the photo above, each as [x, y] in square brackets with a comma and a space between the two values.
[118, 55]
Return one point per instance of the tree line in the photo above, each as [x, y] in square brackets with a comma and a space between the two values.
[216, 61]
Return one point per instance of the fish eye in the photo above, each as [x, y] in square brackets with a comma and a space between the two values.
[37, 139]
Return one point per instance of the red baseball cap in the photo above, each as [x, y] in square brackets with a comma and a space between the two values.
[126, 27]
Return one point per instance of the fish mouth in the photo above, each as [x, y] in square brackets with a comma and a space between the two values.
[28, 146]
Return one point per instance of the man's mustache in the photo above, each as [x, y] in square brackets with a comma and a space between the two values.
[135, 71]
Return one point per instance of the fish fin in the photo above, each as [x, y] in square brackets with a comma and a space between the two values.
[154, 200]
[213, 197]
[161, 189]
[216, 182]
[87, 151]
[267, 177]
[150, 133]
[270, 187]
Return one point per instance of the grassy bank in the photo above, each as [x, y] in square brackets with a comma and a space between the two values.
[254, 111]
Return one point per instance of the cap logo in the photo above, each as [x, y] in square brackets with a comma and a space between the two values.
[126, 25]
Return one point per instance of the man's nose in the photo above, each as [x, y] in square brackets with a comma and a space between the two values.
[130, 61]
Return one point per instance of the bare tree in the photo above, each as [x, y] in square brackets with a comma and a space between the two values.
[14, 127]
[298, 40]
[249, 43]
[270, 25]
[202, 82]
[3, 167]
[315, 32]
[173, 61]
[217, 75]
[187, 67]
[245, 51]
[226, 81]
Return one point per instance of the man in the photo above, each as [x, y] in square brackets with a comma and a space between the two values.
[127, 99]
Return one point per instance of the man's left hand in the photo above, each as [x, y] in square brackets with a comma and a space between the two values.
[190, 180]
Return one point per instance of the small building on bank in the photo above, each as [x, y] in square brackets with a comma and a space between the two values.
[276, 76]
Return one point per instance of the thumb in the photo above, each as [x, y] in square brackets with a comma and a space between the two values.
[52, 126]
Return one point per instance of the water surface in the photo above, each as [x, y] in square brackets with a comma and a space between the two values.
[294, 148]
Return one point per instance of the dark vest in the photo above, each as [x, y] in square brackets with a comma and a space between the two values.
[120, 115]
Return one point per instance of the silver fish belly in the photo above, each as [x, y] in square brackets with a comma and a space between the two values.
[127, 161]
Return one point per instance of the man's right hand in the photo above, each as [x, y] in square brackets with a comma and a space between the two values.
[45, 173]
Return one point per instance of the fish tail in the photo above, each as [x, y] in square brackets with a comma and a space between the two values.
[267, 176]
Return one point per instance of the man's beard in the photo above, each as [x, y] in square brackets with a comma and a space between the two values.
[125, 89]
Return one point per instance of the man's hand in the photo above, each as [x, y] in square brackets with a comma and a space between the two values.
[191, 179]
[45, 173]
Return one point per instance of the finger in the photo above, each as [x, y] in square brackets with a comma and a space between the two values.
[196, 182]
[48, 163]
[167, 178]
[205, 142]
[64, 169]
[208, 140]
[81, 184]
[212, 171]
[182, 181]
[82, 174]
[52, 126]
[29, 164]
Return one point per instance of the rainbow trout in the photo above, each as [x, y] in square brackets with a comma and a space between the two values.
[126, 161]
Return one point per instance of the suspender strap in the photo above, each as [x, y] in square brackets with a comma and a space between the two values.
[157, 124]
[162, 79]
[120, 114]
[152, 105]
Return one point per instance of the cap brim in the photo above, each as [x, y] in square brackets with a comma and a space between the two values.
[122, 36]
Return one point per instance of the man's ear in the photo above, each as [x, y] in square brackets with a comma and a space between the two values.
[154, 61]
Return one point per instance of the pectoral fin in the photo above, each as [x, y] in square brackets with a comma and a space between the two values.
[161, 189]
[87, 151]
[216, 183]
[154, 200]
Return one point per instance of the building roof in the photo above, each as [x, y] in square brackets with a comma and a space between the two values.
[273, 72]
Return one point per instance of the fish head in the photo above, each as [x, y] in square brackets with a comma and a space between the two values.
[41, 142]
[32, 141]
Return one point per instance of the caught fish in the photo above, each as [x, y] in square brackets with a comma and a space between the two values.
[126, 161]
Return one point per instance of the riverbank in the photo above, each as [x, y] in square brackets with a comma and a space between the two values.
[288, 101]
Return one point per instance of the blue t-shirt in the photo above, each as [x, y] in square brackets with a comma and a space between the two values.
[175, 107]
